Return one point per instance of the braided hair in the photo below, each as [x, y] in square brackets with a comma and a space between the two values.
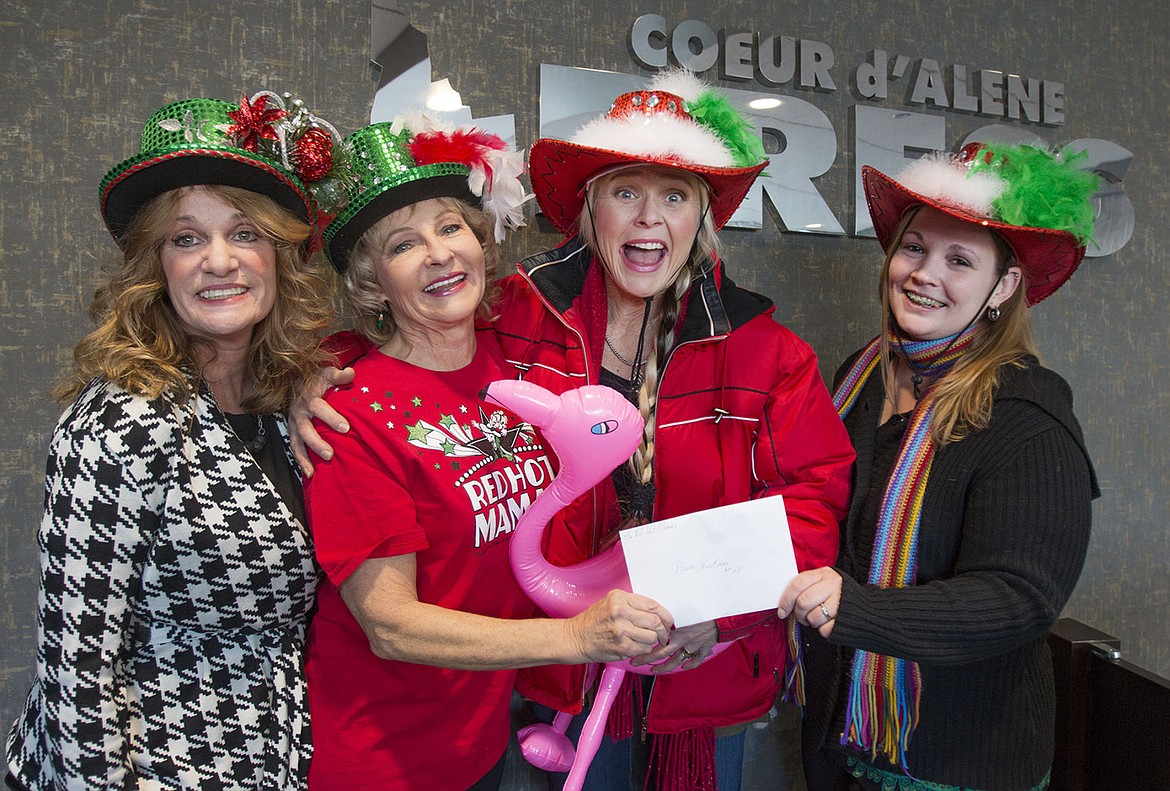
[704, 250]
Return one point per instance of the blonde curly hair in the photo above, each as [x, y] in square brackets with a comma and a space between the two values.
[362, 293]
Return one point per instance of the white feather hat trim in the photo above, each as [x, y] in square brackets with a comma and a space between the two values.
[658, 136]
[939, 178]
[680, 82]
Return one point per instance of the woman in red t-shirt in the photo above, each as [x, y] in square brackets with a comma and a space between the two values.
[420, 624]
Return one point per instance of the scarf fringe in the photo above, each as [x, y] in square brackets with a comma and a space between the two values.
[793, 665]
[678, 761]
[881, 714]
[683, 761]
[625, 716]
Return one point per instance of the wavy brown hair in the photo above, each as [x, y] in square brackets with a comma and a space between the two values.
[963, 397]
[362, 294]
[140, 343]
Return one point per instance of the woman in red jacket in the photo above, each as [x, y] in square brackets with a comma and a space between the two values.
[637, 298]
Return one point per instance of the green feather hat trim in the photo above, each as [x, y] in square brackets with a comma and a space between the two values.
[713, 111]
[1043, 190]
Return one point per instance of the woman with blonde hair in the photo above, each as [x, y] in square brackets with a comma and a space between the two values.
[638, 298]
[421, 625]
[970, 514]
[177, 574]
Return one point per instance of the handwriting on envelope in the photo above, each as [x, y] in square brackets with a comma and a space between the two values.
[711, 564]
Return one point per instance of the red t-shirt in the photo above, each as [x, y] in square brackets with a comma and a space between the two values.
[428, 468]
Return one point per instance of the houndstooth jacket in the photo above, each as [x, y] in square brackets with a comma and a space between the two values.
[175, 589]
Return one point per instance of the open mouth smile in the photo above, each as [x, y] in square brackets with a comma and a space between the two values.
[644, 254]
[921, 301]
[223, 292]
[444, 284]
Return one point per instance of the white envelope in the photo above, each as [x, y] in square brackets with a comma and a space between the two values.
[712, 564]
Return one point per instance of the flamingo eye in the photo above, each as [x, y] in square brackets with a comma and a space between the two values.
[604, 427]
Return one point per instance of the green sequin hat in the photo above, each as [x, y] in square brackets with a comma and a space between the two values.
[415, 158]
[267, 144]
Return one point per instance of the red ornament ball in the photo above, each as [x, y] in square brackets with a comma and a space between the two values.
[314, 155]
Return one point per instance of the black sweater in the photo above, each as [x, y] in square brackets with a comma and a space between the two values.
[1003, 535]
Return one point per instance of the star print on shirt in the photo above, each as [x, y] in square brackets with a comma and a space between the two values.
[418, 433]
[490, 437]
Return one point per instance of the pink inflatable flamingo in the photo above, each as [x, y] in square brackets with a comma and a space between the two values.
[593, 429]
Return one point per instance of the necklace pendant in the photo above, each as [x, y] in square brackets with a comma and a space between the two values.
[256, 444]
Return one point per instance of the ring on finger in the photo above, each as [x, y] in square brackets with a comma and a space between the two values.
[689, 655]
[825, 613]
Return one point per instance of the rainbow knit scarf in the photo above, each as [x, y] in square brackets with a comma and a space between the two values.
[883, 694]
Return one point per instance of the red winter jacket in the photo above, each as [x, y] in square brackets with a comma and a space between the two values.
[742, 413]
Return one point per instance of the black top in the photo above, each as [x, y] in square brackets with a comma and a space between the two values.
[262, 439]
[636, 499]
[1002, 539]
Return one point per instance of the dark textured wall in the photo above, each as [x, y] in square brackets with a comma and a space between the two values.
[79, 80]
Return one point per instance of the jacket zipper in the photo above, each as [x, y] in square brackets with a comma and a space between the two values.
[720, 337]
[595, 531]
[661, 380]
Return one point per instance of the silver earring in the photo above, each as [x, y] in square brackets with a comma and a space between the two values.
[992, 313]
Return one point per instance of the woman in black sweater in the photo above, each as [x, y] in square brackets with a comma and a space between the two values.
[926, 660]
